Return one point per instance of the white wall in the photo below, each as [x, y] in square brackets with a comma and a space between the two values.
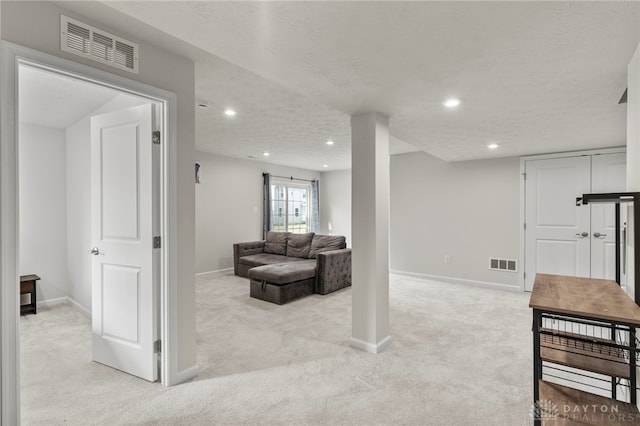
[36, 25]
[633, 163]
[229, 206]
[43, 209]
[79, 212]
[335, 203]
[633, 123]
[78, 140]
[467, 210]
[633, 159]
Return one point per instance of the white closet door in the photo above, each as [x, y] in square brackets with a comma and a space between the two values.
[557, 235]
[608, 174]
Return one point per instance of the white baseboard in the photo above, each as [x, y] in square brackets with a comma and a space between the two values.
[52, 302]
[213, 274]
[186, 374]
[370, 347]
[496, 286]
[65, 300]
[78, 307]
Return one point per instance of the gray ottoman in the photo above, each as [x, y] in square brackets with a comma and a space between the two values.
[282, 282]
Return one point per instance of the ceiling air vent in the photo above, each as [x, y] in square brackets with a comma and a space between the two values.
[92, 43]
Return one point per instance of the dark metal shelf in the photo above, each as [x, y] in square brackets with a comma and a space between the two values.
[611, 197]
[596, 346]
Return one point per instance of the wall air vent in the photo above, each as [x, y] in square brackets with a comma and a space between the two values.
[508, 265]
[92, 43]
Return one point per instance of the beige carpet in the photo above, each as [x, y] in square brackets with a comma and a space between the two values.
[460, 356]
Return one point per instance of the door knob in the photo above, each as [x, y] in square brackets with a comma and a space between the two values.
[94, 251]
[582, 235]
[598, 235]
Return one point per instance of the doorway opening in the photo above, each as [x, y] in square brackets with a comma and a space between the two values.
[77, 192]
[14, 57]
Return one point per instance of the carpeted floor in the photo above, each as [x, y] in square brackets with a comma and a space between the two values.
[460, 356]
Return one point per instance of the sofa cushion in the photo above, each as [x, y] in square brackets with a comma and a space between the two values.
[284, 273]
[299, 245]
[276, 243]
[322, 243]
[266, 259]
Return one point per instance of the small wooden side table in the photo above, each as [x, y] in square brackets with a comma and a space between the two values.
[28, 286]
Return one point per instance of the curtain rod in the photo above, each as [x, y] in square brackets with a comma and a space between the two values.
[289, 177]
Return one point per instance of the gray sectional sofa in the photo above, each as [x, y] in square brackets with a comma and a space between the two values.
[288, 266]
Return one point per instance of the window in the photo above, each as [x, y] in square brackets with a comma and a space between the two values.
[289, 209]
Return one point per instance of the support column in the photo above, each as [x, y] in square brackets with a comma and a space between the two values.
[370, 231]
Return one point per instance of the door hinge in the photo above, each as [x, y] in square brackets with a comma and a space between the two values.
[524, 176]
[525, 226]
[157, 242]
[155, 137]
[157, 346]
[524, 275]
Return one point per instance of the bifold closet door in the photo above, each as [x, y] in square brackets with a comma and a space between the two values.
[560, 237]
[608, 174]
[557, 234]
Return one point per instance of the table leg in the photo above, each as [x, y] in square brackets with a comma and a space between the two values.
[537, 366]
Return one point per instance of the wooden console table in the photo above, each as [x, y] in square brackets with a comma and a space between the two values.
[28, 286]
[590, 325]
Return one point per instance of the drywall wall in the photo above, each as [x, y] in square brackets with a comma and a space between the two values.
[633, 163]
[229, 206]
[633, 123]
[468, 211]
[335, 203]
[78, 140]
[78, 218]
[43, 209]
[633, 158]
[160, 68]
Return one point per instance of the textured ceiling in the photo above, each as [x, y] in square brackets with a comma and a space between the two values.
[52, 100]
[291, 127]
[533, 76]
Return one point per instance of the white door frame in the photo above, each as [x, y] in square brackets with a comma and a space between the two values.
[523, 165]
[12, 55]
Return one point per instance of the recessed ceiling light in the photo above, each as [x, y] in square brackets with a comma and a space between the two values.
[266, 154]
[325, 165]
[229, 112]
[329, 142]
[492, 146]
[451, 103]
[203, 104]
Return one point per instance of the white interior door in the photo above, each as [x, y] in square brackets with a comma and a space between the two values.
[557, 231]
[124, 281]
[608, 174]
